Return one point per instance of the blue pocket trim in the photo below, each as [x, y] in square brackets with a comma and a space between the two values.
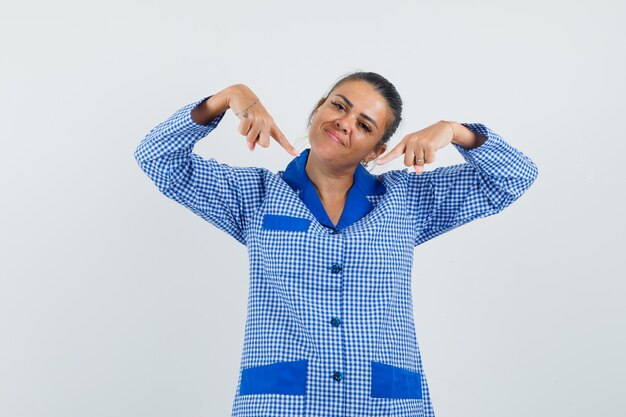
[277, 378]
[279, 222]
[394, 382]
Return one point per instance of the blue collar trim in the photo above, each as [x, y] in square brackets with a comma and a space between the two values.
[357, 203]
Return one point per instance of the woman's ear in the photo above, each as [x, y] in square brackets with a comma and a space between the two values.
[379, 150]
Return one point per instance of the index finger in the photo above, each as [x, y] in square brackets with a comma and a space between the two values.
[282, 140]
[393, 154]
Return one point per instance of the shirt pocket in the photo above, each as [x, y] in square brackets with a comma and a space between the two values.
[289, 223]
[277, 378]
[388, 381]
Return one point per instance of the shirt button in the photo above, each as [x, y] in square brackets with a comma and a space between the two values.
[336, 268]
[335, 321]
[337, 376]
[335, 231]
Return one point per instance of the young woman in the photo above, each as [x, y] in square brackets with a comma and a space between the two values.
[329, 328]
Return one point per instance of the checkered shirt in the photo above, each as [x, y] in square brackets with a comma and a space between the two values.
[330, 329]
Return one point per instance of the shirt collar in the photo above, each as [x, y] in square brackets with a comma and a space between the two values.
[357, 203]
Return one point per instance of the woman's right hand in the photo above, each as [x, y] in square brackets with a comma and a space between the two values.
[255, 124]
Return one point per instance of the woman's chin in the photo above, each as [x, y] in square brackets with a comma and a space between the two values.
[326, 151]
[327, 148]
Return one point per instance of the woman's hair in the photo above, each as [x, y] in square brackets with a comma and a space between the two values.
[382, 86]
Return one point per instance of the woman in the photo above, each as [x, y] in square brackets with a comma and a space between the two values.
[329, 328]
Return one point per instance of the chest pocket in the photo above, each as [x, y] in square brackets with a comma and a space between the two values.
[280, 222]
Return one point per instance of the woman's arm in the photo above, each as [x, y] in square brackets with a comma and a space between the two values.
[494, 176]
[223, 195]
[211, 107]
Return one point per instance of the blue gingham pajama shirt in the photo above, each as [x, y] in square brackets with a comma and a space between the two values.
[330, 329]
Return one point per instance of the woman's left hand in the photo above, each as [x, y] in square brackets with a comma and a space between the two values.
[419, 147]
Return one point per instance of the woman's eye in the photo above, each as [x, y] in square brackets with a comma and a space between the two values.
[340, 106]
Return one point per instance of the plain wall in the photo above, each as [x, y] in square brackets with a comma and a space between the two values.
[117, 301]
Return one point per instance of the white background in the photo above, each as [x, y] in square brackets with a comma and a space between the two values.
[116, 301]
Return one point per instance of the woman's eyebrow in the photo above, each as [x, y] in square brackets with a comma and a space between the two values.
[365, 116]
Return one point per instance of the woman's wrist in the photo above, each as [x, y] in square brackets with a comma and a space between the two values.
[464, 137]
[212, 107]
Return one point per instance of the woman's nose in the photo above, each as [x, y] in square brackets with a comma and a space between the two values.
[343, 123]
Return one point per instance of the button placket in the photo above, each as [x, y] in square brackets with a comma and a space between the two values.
[336, 268]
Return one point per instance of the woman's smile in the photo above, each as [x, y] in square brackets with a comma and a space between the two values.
[333, 137]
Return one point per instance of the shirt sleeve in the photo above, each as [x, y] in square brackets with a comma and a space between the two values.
[494, 176]
[224, 195]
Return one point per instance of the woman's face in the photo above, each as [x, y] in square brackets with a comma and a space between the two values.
[356, 115]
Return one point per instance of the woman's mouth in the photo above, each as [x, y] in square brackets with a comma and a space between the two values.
[333, 137]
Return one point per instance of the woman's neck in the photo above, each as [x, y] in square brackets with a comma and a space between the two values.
[331, 184]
